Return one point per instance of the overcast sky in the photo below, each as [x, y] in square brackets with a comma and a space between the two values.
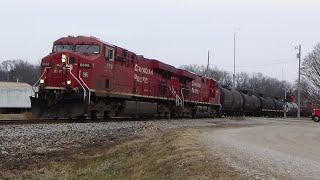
[178, 32]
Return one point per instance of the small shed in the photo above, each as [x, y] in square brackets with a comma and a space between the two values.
[15, 95]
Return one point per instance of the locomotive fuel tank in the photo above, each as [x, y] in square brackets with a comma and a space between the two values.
[143, 109]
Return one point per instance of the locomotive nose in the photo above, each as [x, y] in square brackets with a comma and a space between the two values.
[59, 70]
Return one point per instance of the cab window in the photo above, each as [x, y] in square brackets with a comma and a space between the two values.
[60, 47]
[109, 53]
[88, 48]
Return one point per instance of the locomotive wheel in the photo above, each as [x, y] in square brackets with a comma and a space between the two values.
[81, 118]
[106, 115]
[93, 115]
[168, 115]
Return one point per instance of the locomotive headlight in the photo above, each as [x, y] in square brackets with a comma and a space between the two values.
[41, 81]
[69, 82]
[63, 58]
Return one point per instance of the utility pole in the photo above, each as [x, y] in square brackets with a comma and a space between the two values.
[299, 103]
[234, 59]
[207, 70]
[285, 104]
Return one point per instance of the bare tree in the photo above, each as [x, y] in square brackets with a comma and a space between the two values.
[256, 82]
[13, 70]
[242, 80]
[311, 71]
[221, 76]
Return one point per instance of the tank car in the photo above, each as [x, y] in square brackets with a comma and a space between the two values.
[227, 101]
[86, 77]
[278, 108]
[245, 103]
[251, 105]
[231, 102]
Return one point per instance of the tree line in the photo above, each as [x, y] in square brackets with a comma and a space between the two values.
[260, 84]
[310, 70]
[255, 82]
[19, 70]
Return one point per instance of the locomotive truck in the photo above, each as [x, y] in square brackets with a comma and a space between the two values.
[87, 77]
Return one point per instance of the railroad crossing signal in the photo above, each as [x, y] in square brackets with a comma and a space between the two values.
[289, 98]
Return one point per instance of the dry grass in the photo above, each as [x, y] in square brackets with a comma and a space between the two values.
[25, 115]
[170, 155]
[12, 116]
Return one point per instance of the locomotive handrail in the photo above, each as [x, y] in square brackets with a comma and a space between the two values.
[182, 96]
[33, 87]
[85, 86]
[84, 94]
[178, 99]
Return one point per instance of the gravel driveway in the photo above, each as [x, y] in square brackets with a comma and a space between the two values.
[274, 149]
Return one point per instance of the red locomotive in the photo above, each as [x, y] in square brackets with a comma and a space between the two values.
[84, 76]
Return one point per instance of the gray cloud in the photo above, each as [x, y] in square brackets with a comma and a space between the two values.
[176, 32]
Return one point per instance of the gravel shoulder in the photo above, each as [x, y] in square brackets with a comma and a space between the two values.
[273, 149]
[115, 150]
[22, 145]
[238, 148]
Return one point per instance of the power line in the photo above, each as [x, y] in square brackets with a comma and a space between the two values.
[283, 62]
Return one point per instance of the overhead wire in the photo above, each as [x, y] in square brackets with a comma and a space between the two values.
[257, 65]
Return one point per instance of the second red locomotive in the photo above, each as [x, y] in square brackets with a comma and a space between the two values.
[84, 76]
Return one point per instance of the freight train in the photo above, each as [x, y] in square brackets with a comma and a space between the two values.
[87, 77]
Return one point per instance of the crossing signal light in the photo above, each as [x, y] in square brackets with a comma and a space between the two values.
[289, 98]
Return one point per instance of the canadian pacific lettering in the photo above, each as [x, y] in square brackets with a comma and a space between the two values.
[140, 79]
[144, 70]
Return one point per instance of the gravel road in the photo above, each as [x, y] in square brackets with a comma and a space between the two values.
[270, 149]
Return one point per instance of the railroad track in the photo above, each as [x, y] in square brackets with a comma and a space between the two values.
[30, 121]
[117, 119]
[52, 121]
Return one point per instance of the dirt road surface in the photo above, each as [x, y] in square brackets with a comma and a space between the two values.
[269, 149]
